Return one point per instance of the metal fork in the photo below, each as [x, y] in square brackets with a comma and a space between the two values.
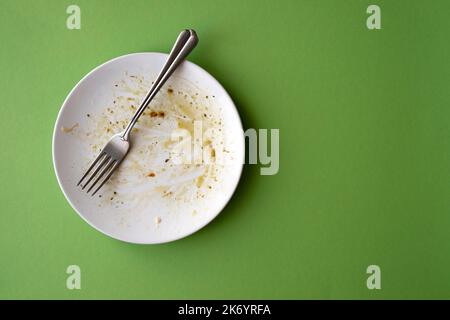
[117, 147]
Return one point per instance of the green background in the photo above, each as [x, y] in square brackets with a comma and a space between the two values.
[364, 150]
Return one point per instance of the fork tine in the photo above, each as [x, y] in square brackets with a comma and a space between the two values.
[91, 167]
[100, 166]
[107, 177]
[110, 164]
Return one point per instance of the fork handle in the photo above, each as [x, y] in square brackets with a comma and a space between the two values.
[186, 42]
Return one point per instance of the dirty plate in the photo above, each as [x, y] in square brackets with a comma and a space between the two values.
[186, 157]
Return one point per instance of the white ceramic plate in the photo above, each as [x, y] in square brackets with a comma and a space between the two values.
[161, 192]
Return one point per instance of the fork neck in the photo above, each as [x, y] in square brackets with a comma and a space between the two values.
[126, 134]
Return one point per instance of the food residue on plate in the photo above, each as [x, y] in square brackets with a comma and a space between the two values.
[175, 146]
[69, 129]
